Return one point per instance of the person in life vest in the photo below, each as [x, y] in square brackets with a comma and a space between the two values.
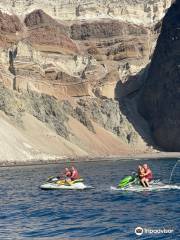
[67, 174]
[74, 173]
[148, 174]
[145, 175]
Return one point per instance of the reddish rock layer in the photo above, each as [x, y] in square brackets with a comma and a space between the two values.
[44, 30]
[9, 23]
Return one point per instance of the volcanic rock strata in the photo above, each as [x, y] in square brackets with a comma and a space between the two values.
[144, 12]
[73, 68]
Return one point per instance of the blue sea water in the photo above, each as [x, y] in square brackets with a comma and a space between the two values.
[27, 212]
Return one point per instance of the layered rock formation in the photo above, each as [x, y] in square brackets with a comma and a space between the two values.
[44, 52]
[143, 12]
[160, 99]
[44, 31]
[63, 64]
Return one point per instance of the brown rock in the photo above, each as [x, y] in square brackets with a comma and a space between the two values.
[9, 23]
[104, 29]
[44, 30]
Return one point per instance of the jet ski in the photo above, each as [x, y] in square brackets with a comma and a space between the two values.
[132, 183]
[57, 184]
[129, 181]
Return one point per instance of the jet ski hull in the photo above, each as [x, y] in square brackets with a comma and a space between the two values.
[55, 186]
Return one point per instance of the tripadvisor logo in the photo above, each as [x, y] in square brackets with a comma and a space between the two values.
[138, 231]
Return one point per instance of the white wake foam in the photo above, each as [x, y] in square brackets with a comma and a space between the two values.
[154, 187]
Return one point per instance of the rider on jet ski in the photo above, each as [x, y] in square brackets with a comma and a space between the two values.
[67, 174]
[71, 174]
[75, 174]
[145, 175]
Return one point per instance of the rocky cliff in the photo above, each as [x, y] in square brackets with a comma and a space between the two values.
[160, 97]
[71, 67]
[41, 127]
[43, 52]
[146, 12]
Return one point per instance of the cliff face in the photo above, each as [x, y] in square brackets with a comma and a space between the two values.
[160, 102]
[65, 62]
[140, 12]
[37, 126]
[43, 51]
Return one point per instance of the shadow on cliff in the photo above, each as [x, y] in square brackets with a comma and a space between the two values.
[128, 94]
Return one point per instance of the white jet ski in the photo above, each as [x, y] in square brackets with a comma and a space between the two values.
[155, 185]
[56, 184]
[132, 183]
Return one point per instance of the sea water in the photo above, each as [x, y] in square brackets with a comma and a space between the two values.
[27, 212]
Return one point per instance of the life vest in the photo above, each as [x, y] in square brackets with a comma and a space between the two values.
[149, 176]
[75, 175]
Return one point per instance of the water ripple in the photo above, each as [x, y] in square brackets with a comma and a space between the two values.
[30, 213]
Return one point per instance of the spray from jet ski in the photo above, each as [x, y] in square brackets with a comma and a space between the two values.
[175, 165]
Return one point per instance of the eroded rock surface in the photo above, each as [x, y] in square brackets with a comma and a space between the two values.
[63, 64]
[46, 47]
[160, 101]
[126, 10]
